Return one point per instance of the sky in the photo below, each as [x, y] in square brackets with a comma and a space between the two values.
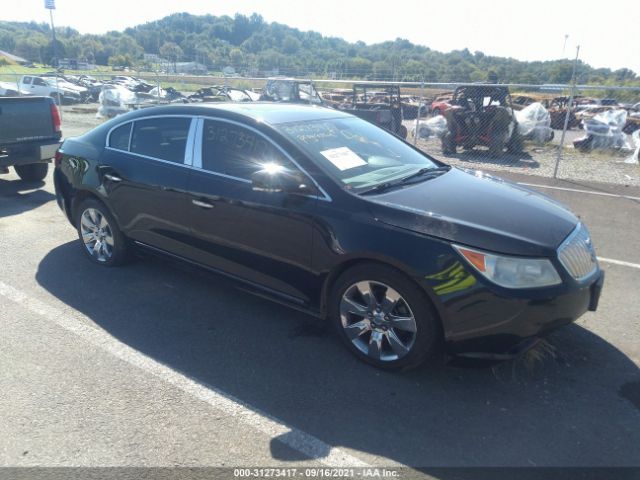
[607, 32]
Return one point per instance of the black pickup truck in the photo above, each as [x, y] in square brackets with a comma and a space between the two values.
[30, 134]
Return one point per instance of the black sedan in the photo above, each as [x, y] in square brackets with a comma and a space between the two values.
[329, 214]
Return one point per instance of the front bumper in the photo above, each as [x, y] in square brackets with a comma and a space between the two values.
[488, 325]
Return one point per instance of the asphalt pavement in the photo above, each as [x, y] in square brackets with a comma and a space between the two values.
[158, 364]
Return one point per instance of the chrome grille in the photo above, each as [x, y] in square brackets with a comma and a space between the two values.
[577, 254]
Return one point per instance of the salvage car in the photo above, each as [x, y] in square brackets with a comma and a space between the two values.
[329, 214]
[290, 90]
[60, 91]
[223, 93]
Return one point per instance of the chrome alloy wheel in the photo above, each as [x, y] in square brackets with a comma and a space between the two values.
[96, 234]
[378, 320]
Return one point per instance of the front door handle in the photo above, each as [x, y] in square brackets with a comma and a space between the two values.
[113, 178]
[201, 204]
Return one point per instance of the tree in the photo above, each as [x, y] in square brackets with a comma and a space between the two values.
[236, 57]
[121, 61]
[171, 52]
[291, 45]
[359, 67]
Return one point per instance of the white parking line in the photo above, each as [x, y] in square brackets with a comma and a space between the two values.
[233, 407]
[590, 192]
[619, 262]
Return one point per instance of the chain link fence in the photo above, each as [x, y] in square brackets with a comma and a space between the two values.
[577, 132]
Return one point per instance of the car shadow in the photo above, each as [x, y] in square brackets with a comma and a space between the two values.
[579, 408]
[27, 196]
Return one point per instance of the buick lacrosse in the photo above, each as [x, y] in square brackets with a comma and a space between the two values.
[322, 211]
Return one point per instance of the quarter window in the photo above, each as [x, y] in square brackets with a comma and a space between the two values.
[237, 151]
[119, 137]
[163, 138]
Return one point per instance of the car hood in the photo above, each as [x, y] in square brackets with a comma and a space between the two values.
[478, 210]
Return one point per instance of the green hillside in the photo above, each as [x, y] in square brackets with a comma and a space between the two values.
[254, 47]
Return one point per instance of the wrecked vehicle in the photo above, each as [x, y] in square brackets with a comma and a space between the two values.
[481, 115]
[56, 88]
[290, 90]
[441, 102]
[557, 108]
[223, 93]
[93, 86]
[115, 100]
[337, 98]
[604, 131]
[379, 104]
[411, 105]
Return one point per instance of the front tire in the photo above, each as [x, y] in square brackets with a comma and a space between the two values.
[32, 172]
[101, 239]
[384, 318]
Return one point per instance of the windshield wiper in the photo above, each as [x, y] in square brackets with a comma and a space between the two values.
[425, 173]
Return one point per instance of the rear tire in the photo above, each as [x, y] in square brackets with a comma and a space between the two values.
[100, 237]
[384, 318]
[32, 172]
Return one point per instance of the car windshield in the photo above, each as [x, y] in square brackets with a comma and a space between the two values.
[357, 153]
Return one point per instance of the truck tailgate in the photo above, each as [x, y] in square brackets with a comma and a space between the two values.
[24, 119]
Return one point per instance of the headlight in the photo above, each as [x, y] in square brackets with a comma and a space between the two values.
[511, 272]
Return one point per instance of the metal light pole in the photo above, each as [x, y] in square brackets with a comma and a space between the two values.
[51, 6]
[567, 115]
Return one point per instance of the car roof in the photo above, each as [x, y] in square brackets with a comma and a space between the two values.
[265, 112]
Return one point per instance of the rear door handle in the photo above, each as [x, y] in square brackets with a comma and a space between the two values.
[201, 204]
[113, 178]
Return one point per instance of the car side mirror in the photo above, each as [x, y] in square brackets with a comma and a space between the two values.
[276, 179]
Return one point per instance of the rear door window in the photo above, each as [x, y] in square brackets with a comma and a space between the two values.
[119, 137]
[26, 80]
[164, 138]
